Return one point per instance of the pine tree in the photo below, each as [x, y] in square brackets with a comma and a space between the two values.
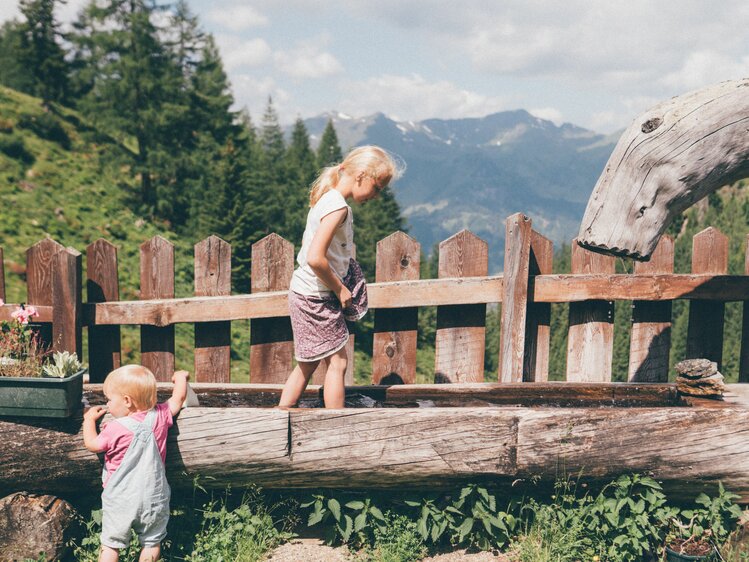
[40, 51]
[329, 151]
[272, 141]
[301, 170]
[13, 73]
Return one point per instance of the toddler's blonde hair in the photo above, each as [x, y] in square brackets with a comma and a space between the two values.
[134, 381]
[372, 160]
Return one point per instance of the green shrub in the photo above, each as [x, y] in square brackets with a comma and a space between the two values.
[13, 146]
[46, 126]
[396, 541]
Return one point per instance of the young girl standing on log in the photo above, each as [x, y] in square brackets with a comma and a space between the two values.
[328, 287]
[136, 493]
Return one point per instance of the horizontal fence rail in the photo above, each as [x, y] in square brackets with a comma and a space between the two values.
[526, 290]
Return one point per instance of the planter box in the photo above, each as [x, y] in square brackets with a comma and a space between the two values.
[44, 397]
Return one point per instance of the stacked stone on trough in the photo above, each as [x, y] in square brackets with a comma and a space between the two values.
[699, 377]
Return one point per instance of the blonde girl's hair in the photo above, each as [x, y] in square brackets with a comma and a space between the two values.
[373, 160]
[134, 381]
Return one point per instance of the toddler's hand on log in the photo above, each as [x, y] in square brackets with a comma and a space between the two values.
[179, 375]
[94, 413]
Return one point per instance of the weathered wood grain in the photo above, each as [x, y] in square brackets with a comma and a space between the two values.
[590, 341]
[538, 323]
[157, 282]
[650, 339]
[66, 296]
[395, 330]
[671, 156]
[212, 339]
[705, 328]
[45, 313]
[461, 330]
[512, 339]
[271, 340]
[102, 284]
[39, 279]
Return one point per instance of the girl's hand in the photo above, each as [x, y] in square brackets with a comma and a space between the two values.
[94, 413]
[344, 295]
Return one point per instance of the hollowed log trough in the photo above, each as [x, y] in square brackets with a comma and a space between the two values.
[415, 436]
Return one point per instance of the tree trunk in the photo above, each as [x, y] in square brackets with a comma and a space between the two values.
[31, 525]
[671, 156]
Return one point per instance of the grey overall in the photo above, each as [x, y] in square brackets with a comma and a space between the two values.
[137, 494]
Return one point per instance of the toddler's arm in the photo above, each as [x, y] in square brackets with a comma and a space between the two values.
[179, 392]
[317, 257]
[89, 427]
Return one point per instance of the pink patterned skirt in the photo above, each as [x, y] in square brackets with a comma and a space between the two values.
[319, 323]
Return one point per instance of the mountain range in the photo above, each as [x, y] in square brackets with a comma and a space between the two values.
[474, 172]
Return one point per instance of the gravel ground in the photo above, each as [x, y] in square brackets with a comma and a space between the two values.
[313, 550]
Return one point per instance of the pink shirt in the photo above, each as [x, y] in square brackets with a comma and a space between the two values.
[114, 438]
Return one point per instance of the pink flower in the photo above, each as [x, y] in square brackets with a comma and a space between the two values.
[23, 314]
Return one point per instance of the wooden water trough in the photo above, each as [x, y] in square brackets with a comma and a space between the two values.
[518, 430]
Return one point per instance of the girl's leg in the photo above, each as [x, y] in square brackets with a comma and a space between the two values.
[334, 392]
[150, 554]
[296, 383]
[107, 554]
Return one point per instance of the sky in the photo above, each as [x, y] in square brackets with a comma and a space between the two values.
[595, 63]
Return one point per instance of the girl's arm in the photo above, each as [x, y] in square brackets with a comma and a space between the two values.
[179, 378]
[317, 257]
[89, 427]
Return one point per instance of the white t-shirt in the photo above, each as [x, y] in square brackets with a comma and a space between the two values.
[304, 281]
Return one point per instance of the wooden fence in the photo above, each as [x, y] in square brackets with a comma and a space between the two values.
[526, 290]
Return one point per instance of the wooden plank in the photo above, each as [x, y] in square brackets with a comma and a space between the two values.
[2, 276]
[157, 282]
[66, 297]
[650, 341]
[45, 313]
[39, 279]
[590, 342]
[515, 298]
[705, 329]
[744, 358]
[212, 339]
[271, 340]
[461, 330]
[395, 330]
[102, 284]
[538, 325]
[576, 288]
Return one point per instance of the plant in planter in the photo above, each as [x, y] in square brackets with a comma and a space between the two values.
[696, 534]
[33, 381]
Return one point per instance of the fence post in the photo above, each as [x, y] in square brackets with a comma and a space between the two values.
[395, 330]
[514, 297]
[650, 342]
[157, 282]
[39, 279]
[705, 329]
[212, 357]
[66, 301]
[590, 341]
[271, 342]
[744, 360]
[538, 322]
[461, 329]
[2, 276]
[102, 285]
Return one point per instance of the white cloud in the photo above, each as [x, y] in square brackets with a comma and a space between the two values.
[238, 17]
[706, 67]
[414, 98]
[549, 113]
[237, 53]
[309, 59]
[252, 92]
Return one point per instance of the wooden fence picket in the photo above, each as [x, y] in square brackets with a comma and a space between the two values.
[395, 330]
[590, 341]
[538, 322]
[705, 330]
[157, 282]
[102, 285]
[514, 298]
[650, 341]
[461, 329]
[66, 302]
[212, 264]
[744, 358]
[2, 276]
[39, 279]
[271, 342]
